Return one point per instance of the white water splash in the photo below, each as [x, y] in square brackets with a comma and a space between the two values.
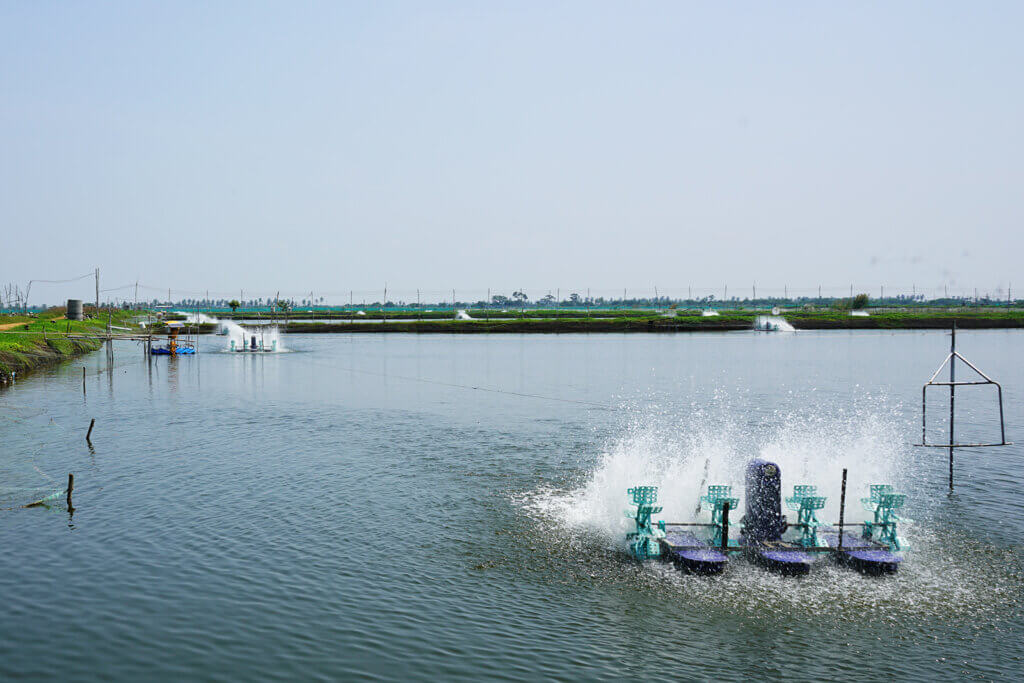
[267, 336]
[943, 567]
[683, 459]
[773, 323]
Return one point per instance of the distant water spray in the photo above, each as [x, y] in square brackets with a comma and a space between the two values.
[268, 335]
[773, 323]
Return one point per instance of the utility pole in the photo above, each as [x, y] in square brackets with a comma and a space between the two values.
[136, 294]
[97, 291]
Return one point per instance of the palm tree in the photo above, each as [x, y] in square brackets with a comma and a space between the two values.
[234, 304]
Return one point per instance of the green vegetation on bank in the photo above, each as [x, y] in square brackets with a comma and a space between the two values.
[539, 325]
[31, 341]
[907, 320]
[370, 314]
[683, 322]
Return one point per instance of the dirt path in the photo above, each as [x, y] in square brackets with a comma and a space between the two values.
[9, 326]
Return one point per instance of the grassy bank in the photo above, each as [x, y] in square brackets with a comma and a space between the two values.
[370, 314]
[803, 320]
[906, 320]
[33, 341]
[551, 325]
[646, 321]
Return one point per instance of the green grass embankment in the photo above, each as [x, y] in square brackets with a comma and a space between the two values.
[646, 321]
[371, 314]
[30, 342]
[622, 324]
[726, 321]
[905, 320]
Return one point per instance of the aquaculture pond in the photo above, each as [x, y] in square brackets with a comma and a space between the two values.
[450, 507]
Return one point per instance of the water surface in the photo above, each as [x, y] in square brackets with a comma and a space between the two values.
[450, 507]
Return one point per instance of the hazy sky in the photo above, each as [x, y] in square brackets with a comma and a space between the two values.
[336, 146]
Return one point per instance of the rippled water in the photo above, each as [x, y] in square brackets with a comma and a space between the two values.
[449, 507]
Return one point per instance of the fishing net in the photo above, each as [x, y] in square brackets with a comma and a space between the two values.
[33, 459]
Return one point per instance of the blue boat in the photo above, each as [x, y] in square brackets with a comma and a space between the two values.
[181, 350]
[173, 347]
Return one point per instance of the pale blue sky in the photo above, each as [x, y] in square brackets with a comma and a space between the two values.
[336, 146]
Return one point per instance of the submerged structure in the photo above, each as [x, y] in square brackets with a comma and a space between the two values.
[766, 537]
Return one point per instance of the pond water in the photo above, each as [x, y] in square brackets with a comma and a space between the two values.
[450, 507]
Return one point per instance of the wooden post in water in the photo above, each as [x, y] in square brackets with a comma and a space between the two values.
[725, 525]
[88, 434]
[71, 487]
[842, 509]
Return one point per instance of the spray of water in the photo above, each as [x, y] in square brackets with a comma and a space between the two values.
[774, 323]
[585, 515]
[682, 459]
[268, 335]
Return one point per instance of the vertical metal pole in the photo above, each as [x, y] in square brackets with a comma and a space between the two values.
[924, 414]
[97, 292]
[952, 400]
[1002, 423]
[842, 510]
[725, 525]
